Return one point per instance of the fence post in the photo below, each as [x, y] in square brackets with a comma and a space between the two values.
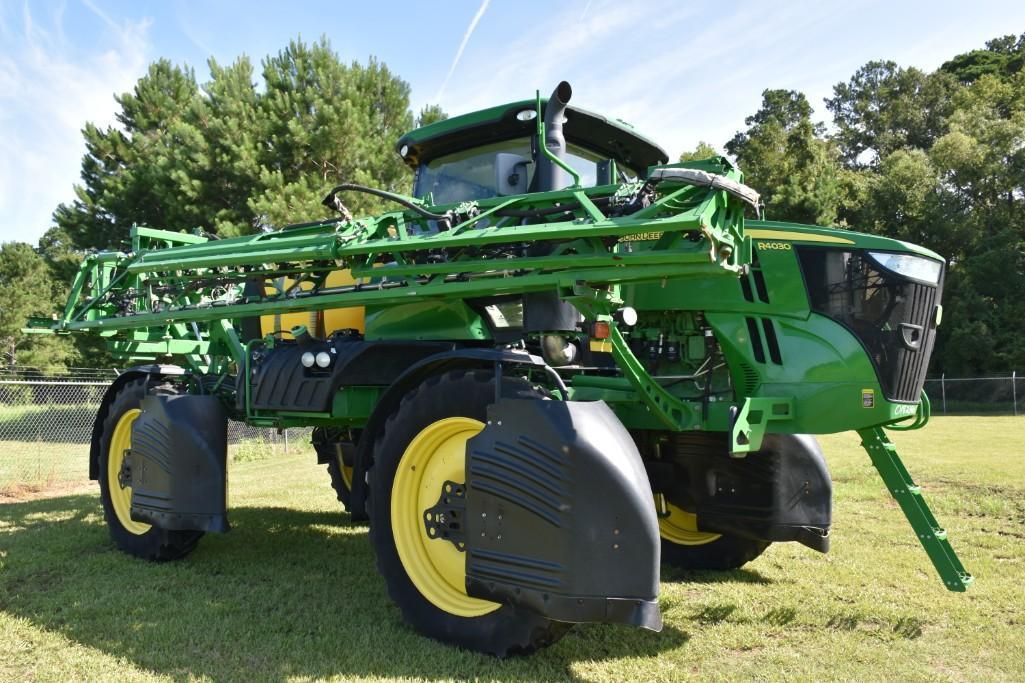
[1014, 390]
[286, 441]
[943, 390]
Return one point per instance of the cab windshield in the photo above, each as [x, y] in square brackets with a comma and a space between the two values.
[495, 170]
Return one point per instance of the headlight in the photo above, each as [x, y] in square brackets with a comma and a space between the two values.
[913, 267]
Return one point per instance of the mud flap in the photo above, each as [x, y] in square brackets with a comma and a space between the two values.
[177, 464]
[559, 515]
[782, 492]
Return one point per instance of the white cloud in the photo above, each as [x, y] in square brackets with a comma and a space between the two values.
[684, 72]
[48, 90]
[587, 48]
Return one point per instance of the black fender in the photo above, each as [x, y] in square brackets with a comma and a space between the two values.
[463, 358]
[559, 514]
[178, 463]
[133, 373]
[782, 492]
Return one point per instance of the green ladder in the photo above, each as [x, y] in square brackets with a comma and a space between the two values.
[933, 538]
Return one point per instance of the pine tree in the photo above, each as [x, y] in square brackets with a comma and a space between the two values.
[228, 159]
[784, 156]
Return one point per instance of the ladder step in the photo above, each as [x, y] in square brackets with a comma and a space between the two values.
[936, 534]
[912, 503]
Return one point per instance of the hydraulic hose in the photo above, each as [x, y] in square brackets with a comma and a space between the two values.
[332, 202]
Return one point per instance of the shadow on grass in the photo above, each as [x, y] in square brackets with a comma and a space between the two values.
[287, 593]
[742, 575]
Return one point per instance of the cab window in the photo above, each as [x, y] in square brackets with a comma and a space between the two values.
[502, 169]
[470, 174]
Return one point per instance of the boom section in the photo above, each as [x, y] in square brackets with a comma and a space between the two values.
[504, 245]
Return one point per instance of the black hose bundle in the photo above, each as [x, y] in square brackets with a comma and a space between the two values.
[332, 202]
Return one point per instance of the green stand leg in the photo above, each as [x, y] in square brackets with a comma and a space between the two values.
[933, 538]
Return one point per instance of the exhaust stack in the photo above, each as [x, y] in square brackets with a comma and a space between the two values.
[550, 175]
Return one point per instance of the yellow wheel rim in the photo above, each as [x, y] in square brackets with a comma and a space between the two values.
[121, 498]
[681, 528]
[435, 566]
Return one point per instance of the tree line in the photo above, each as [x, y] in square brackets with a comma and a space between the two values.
[934, 158]
[937, 159]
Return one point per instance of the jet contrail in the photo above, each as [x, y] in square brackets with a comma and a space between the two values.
[586, 7]
[462, 46]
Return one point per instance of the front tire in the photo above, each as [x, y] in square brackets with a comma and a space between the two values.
[135, 538]
[423, 446]
[685, 547]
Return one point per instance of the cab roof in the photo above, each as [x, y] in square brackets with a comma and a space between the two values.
[608, 137]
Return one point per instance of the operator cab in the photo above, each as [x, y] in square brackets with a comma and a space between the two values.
[494, 153]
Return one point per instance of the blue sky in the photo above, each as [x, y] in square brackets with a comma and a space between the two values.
[679, 71]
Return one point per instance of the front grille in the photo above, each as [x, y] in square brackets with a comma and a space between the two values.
[909, 367]
[891, 315]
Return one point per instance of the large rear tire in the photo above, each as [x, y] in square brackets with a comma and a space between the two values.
[423, 446]
[135, 538]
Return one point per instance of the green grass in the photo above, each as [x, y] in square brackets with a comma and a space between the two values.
[36, 466]
[292, 593]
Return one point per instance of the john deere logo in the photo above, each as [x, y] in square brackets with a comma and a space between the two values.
[641, 237]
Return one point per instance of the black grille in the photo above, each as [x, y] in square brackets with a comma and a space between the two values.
[891, 315]
[909, 367]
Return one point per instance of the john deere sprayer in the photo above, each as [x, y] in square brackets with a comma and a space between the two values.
[558, 363]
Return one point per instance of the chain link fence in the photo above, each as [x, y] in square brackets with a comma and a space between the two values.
[46, 424]
[998, 395]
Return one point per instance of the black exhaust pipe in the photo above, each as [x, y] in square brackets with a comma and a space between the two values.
[545, 311]
[550, 176]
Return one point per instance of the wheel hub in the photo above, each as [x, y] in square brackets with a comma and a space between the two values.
[124, 476]
[444, 521]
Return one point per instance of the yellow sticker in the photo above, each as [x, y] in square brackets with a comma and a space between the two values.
[763, 234]
[868, 398]
[601, 345]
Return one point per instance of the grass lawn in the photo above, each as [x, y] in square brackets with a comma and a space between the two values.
[292, 592]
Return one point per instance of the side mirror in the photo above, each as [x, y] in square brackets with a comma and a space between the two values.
[511, 173]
